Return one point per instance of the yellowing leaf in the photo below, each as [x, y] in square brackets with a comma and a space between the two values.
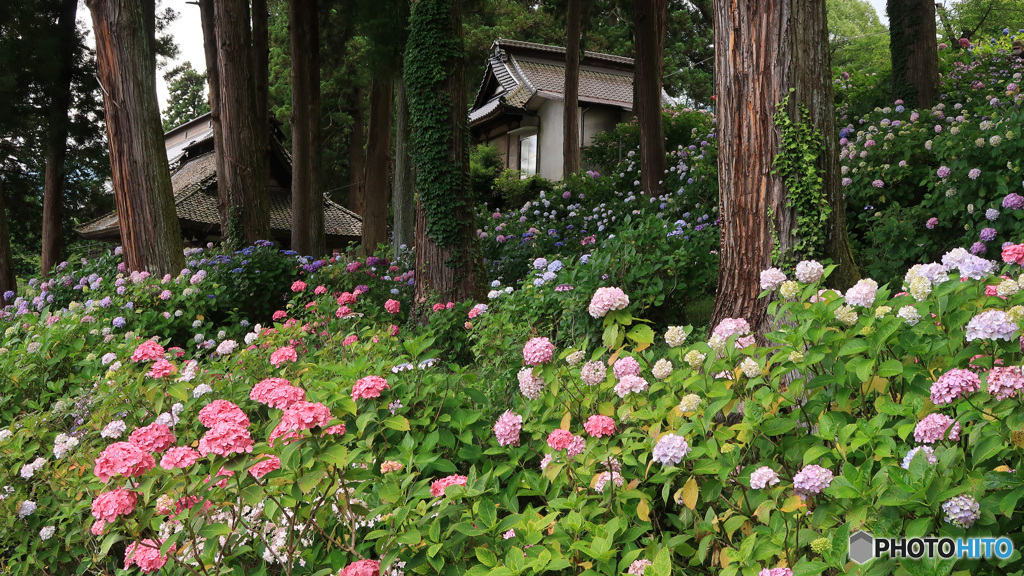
[1017, 437]
[566, 421]
[690, 491]
[643, 511]
[792, 503]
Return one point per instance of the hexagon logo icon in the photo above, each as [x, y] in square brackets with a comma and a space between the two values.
[861, 547]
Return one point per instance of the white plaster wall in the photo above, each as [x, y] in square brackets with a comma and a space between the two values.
[549, 140]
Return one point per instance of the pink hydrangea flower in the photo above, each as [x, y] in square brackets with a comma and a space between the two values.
[393, 306]
[593, 373]
[304, 415]
[122, 459]
[933, 427]
[731, 327]
[282, 355]
[286, 436]
[955, 384]
[598, 426]
[630, 384]
[393, 330]
[222, 411]
[298, 286]
[153, 438]
[507, 428]
[109, 505]
[1014, 254]
[369, 387]
[346, 298]
[775, 572]
[343, 312]
[531, 386]
[225, 438]
[763, 477]
[559, 439]
[361, 568]
[161, 368]
[277, 393]
[320, 290]
[638, 566]
[224, 474]
[607, 299]
[336, 430]
[279, 315]
[146, 555]
[538, 351]
[1004, 382]
[437, 487]
[350, 340]
[811, 480]
[97, 527]
[179, 457]
[626, 366]
[148, 350]
[391, 466]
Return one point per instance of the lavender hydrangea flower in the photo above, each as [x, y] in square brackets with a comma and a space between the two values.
[929, 454]
[991, 325]
[670, 450]
[1013, 201]
[978, 248]
[943, 172]
[118, 322]
[811, 480]
[962, 511]
[987, 234]
[953, 385]
[974, 173]
[991, 214]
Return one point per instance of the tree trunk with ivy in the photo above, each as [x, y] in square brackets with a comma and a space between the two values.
[448, 260]
[308, 235]
[571, 112]
[649, 21]
[244, 179]
[779, 183]
[126, 64]
[914, 50]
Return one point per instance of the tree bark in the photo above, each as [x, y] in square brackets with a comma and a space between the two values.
[764, 52]
[261, 72]
[57, 140]
[142, 181]
[308, 235]
[649, 18]
[571, 113]
[378, 146]
[245, 174]
[206, 17]
[8, 281]
[914, 51]
[450, 268]
[403, 195]
[356, 155]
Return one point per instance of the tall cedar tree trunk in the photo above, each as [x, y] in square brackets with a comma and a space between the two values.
[403, 194]
[914, 51]
[213, 80]
[244, 178]
[762, 51]
[142, 181]
[448, 260]
[571, 114]
[356, 155]
[649, 37]
[308, 235]
[378, 146]
[261, 71]
[8, 282]
[57, 140]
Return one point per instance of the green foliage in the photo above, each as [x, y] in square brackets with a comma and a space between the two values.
[800, 148]
[857, 38]
[187, 99]
[511, 189]
[682, 126]
[441, 181]
[485, 164]
[977, 18]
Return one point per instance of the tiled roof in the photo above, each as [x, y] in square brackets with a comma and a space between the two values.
[524, 69]
[195, 198]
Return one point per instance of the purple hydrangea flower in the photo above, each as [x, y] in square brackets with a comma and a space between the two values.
[929, 454]
[953, 385]
[931, 223]
[878, 184]
[118, 322]
[974, 173]
[1013, 201]
[670, 450]
[962, 511]
[987, 234]
[943, 172]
